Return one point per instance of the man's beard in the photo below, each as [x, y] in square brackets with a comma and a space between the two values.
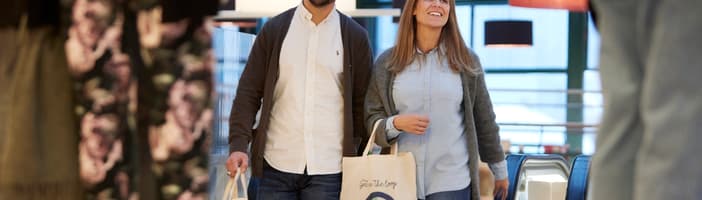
[321, 3]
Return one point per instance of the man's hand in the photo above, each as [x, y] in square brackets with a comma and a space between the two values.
[411, 123]
[237, 160]
[501, 188]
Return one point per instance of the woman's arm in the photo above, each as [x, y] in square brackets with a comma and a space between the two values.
[374, 109]
[489, 146]
[486, 127]
[390, 127]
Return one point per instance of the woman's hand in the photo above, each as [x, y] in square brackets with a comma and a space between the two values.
[501, 188]
[411, 123]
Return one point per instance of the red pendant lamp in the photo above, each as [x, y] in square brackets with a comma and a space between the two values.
[571, 5]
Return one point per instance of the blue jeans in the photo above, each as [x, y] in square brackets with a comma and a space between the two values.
[463, 194]
[277, 185]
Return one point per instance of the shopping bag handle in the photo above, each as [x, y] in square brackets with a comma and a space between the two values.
[369, 144]
[231, 190]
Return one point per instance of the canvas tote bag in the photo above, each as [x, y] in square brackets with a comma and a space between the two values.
[231, 190]
[379, 177]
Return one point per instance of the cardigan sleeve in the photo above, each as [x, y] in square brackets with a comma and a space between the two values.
[374, 108]
[249, 92]
[486, 127]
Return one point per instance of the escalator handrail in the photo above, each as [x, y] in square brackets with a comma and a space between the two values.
[578, 179]
[514, 169]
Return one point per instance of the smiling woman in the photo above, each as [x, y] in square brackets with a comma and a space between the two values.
[459, 58]
[418, 92]
[432, 13]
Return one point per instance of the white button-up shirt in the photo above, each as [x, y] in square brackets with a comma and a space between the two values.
[306, 124]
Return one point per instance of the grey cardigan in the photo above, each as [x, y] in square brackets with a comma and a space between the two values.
[481, 130]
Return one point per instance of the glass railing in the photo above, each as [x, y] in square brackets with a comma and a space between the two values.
[541, 120]
[232, 50]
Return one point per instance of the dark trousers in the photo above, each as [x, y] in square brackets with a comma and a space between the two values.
[463, 194]
[277, 185]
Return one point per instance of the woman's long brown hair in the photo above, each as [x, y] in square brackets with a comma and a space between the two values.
[453, 46]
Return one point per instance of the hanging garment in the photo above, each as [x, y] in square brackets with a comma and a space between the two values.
[38, 158]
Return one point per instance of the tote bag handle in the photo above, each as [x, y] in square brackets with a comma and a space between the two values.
[369, 144]
[231, 190]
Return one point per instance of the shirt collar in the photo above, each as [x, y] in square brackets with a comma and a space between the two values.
[431, 51]
[307, 15]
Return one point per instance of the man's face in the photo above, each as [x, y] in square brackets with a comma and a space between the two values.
[321, 3]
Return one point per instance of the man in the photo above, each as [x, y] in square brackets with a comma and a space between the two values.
[309, 68]
[652, 123]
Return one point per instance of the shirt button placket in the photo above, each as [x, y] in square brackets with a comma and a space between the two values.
[310, 91]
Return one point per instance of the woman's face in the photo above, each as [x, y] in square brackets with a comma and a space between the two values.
[432, 13]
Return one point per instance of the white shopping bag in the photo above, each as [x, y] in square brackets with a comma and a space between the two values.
[231, 191]
[372, 177]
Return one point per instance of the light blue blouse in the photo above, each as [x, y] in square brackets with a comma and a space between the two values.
[429, 87]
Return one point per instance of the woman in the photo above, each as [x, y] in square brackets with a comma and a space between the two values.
[428, 93]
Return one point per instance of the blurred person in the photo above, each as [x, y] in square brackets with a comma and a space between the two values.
[90, 19]
[119, 69]
[95, 29]
[178, 146]
[186, 120]
[308, 68]
[149, 27]
[652, 121]
[100, 147]
[428, 93]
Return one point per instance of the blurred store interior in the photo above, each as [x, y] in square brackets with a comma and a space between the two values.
[541, 69]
